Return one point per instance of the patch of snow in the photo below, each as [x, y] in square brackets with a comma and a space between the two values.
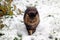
[47, 24]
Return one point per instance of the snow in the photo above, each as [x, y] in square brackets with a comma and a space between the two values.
[47, 26]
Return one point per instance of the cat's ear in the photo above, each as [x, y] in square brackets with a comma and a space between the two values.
[27, 9]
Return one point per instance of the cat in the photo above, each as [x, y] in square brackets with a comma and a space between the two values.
[31, 19]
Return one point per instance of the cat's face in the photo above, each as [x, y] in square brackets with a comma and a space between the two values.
[31, 12]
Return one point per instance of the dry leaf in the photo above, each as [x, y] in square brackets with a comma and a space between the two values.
[1, 26]
[19, 11]
[14, 7]
[3, 10]
[9, 0]
[10, 13]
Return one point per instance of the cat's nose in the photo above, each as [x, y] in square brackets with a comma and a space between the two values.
[32, 14]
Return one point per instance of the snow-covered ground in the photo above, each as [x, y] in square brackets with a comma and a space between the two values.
[48, 28]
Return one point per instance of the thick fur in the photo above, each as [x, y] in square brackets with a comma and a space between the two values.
[31, 19]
